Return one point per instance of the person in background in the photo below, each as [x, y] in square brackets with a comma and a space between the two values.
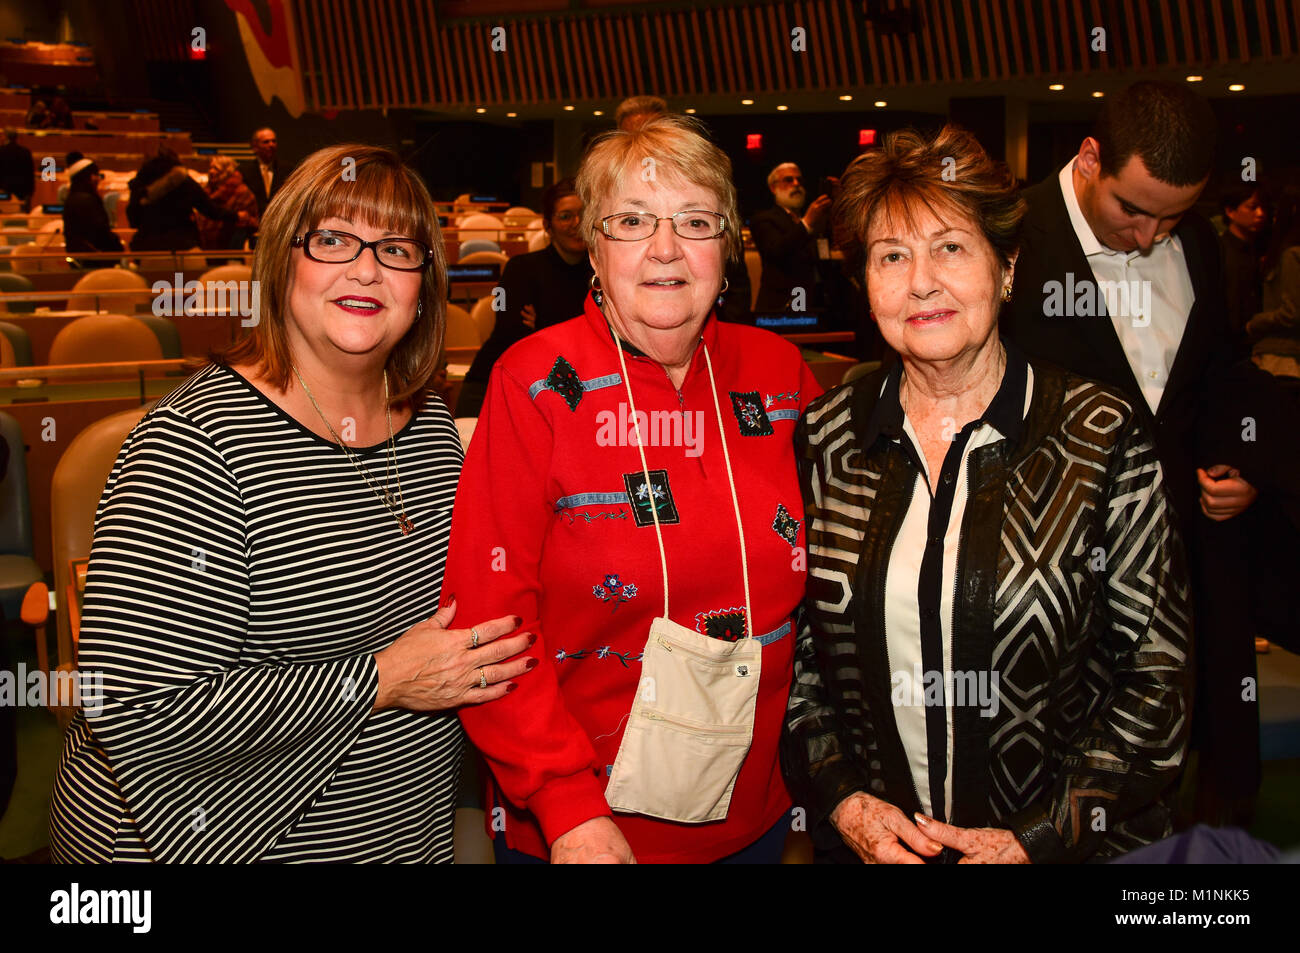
[262, 174]
[1119, 216]
[635, 111]
[60, 114]
[786, 239]
[1245, 215]
[17, 169]
[86, 226]
[227, 189]
[38, 117]
[163, 200]
[541, 288]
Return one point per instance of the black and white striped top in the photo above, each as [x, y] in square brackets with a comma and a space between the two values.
[242, 576]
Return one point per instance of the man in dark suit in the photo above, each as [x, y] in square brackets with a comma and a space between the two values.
[787, 243]
[262, 173]
[17, 172]
[1118, 280]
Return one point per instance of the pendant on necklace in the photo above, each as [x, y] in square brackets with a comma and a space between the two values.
[405, 522]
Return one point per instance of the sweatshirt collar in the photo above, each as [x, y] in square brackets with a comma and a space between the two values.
[599, 324]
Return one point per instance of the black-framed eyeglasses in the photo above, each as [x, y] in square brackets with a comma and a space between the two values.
[333, 247]
[696, 224]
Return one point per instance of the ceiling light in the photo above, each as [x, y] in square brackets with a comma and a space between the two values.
[1195, 79]
[1097, 94]
[782, 109]
[746, 102]
[511, 115]
[845, 98]
[568, 109]
[480, 110]
[599, 112]
[1236, 88]
[881, 104]
[1056, 87]
[690, 111]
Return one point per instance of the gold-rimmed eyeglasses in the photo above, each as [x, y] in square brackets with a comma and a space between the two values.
[695, 224]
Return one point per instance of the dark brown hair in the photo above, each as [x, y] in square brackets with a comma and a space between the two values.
[1169, 127]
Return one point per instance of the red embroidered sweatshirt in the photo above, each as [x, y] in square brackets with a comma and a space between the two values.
[552, 523]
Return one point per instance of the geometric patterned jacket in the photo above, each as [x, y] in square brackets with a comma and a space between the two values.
[1071, 587]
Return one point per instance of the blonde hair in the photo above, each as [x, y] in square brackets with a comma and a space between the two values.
[362, 184]
[224, 166]
[680, 153]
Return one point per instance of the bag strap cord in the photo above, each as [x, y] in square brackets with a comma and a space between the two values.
[726, 456]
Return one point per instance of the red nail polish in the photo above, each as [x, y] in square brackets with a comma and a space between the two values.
[518, 621]
[530, 665]
[511, 687]
[532, 640]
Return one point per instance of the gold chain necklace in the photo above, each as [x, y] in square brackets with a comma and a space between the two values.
[395, 506]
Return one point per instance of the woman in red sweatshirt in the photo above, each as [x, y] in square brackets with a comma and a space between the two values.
[631, 493]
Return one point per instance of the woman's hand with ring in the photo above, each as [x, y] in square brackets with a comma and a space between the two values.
[873, 828]
[431, 667]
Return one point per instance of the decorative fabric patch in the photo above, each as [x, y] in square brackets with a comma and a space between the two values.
[770, 399]
[615, 592]
[750, 414]
[728, 625]
[658, 494]
[604, 652]
[786, 526]
[564, 380]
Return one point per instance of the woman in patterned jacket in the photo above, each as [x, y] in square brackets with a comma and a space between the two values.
[993, 662]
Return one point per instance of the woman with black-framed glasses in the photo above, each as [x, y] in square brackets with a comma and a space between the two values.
[276, 684]
[631, 491]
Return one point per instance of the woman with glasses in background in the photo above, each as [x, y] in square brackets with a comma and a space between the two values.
[267, 562]
[631, 492]
[541, 288]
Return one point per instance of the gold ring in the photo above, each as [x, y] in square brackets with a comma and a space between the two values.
[473, 640]
[482, 679]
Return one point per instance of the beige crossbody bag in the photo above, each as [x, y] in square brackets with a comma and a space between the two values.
[692, 719]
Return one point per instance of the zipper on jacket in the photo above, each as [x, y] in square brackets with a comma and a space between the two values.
[696, 729]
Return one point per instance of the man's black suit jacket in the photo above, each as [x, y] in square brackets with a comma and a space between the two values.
[1050, 252]
[789, 255]
[252, 173]
[1197, 423]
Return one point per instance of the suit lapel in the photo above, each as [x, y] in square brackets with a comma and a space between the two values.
[1188, 362]
[1096, 332]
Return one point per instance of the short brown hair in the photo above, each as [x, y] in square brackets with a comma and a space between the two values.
[950, 174]
[363, 184]
[681, 153]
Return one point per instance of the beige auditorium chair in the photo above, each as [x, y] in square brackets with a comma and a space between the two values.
[461, 329]
[753, 265]
[82, 297]
[490, 226]
[22, 262]
[538, 241]
[227, 273]
[104, 339]
[484, 317]
[75, 489]
[485, 258]
[7, 356]
[518, 217]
